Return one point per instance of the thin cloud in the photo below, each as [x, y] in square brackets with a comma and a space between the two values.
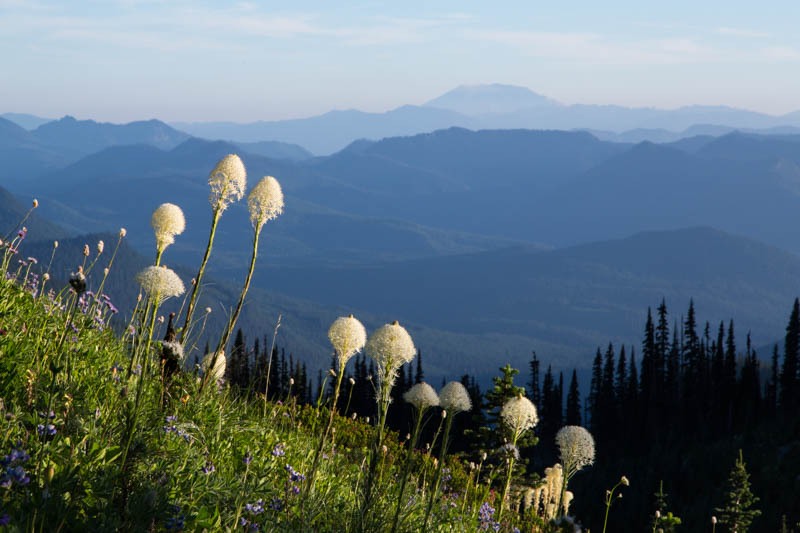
[599, 48]
[740, 32]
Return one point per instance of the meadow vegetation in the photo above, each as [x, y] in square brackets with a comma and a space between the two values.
[105, 427]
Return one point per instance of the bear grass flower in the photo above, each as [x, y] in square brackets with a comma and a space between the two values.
[421, 396]
[167, 221]
[160, 282]
[454, 398]
[217, 372]
[390, 347]
[348, 337]
[228, 181]
[519, 415]
[265, 201]
[576, 446]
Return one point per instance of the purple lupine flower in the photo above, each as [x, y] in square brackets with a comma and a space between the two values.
[48, 430]
[278, 451]
[171, 418]
[51, 415]
[486, 518]
[255, 508]
[208, 468]
[294, 475]
[247, 459]
[5, 520]
[276, 504]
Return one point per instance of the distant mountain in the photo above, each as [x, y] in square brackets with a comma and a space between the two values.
[562, 303]
[476, 100]
[28, 154]
[328, 133]
[29, 122]
[276, 150]
[666, 136]
[492, 106]
[741, 183]
[87, 136]
[120, 186]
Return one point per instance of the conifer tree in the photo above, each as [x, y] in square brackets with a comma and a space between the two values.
[649, 359]
[573, 401]
[533, 385]
[662, 348]
[737, 514]
[594, 392]
[420, 375]
[788, 394]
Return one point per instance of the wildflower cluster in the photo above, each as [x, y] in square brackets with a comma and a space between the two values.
[172, 429]
[486, 521]
[13, 471]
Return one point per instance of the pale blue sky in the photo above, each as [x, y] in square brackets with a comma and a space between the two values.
[195, 60]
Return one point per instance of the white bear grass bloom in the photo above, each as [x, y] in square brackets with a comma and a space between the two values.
[348, 337]
[265, 201]
[454, 398]
[160, 282]
[228, 181]
[167, 221]
[422, 396]
[390, 347]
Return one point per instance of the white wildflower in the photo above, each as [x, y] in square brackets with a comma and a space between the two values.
[218, 372]
[174, 349]
[265, 201]
[227, 181]
[421, 396]
[122, 232]
[348, 337]
[519, 415]
[167, 221]
[576, 446]
[390, 347]
[35, 203]
[455, 398]
[55, 244]
[160, 281]
[100, 247]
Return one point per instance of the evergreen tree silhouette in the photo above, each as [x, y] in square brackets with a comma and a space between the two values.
[573, 401]
[788, 394]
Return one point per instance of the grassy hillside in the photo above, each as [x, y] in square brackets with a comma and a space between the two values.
[94, 440]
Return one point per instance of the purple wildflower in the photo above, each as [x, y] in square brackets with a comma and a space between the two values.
[278, 451]
[208, 468]
[294, 475]
[48, 430]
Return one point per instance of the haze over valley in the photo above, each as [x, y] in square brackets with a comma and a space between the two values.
[491, 219]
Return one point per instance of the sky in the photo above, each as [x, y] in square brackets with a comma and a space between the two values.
[122, 60]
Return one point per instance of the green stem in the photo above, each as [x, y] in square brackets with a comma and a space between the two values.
[223, 341]
[609, 501]
[193, 300]
[437, 475]
[407, 467]
[508, 481]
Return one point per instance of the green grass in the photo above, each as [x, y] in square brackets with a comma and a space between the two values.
[79, 478]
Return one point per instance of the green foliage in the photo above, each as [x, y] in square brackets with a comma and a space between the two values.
[663, 520]
[737, 514]
[198, 462]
